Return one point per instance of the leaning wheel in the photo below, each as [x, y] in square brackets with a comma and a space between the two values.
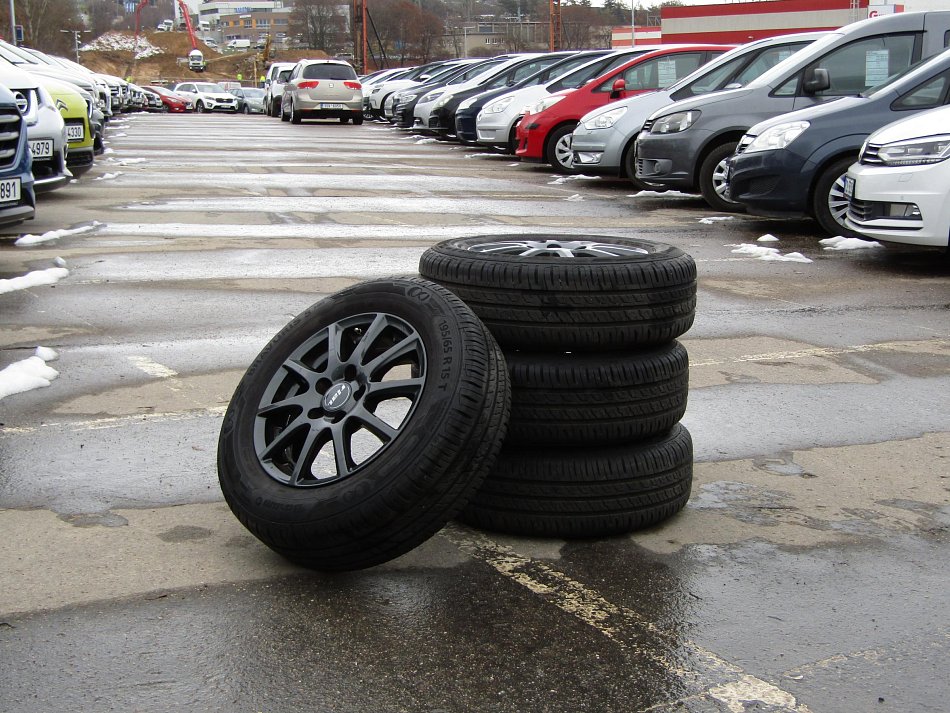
[571, 492]
[364, 425]
[570, 292]
[712, 179]
[596, 399]
[829, 202]
[558, 151]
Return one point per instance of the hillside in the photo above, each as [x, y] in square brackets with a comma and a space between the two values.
[160, 53]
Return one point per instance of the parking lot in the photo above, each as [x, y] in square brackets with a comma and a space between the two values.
[808, 571]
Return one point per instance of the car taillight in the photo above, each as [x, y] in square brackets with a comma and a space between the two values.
[352, 85]
[308, 85]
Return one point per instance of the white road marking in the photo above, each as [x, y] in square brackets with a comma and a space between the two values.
[815, 352]
[152, 368]
[723, 681]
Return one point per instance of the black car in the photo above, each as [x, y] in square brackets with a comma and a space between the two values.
[406, 99]
[794, 165]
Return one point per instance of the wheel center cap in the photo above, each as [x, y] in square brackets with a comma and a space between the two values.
[337, 397]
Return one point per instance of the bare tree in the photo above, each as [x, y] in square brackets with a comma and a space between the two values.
[42, 21]
[320, 24]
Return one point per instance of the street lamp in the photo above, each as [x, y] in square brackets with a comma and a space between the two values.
[12, 22]
[76, 34]
[633, 21]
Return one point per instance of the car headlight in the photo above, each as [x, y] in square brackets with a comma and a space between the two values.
[498, 106]
[674, 123]
[545, 103]
[777, 137]
[405, 97]
[916, 152]
[446, 98]
[431, 96]
[605, 119]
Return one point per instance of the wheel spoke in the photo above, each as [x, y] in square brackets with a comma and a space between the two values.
[391, 355]
[282, 440]
[369, 337]
[300, 401]
[404, 388]
[374, 424]
[302, 468]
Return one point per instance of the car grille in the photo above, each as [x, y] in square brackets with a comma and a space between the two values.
[11, 124]
[871, 155]
[863, 211]
[647, 125]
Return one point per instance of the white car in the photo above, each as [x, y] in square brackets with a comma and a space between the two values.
[45, 128]
[899, 190]
[207, 96]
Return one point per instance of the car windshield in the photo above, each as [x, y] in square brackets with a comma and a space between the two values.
[328, 71]
[256, 93]
[209, 87]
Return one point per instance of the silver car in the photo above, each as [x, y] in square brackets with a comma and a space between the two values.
[322, 89]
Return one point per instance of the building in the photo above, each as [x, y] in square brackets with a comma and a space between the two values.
[739, 22]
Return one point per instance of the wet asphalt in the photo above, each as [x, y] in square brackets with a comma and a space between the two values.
[808, 572]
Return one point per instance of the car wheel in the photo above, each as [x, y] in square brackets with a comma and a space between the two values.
[557, 150]
[199, 107]
[164, 109]
[569, 293]
[606, 398]
[246, 109]
[344, 120]
[629, 164]
[357, 119]
[712, 179]
[575, 492]
[512, 146]
[365, 425]
[294, 115]
[829, 202]
[284, 116]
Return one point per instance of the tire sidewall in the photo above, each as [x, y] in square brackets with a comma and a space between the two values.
[392, 473]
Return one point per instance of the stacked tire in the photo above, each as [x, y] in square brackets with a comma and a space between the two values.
[588, 327]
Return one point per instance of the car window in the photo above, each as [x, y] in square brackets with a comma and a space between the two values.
[926, 95]
[328, 71]
[860, 65]
[559, 69]
[656, 73]
[765, 61]
[582, 75]
[284, 75]
[471, 72]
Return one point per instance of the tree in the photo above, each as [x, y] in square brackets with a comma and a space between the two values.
[320, 25]
[42, 21]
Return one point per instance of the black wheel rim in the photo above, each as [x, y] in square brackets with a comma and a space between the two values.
[339, 400]
[558, 248]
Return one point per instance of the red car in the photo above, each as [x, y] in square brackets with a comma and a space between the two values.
[171, 102]
[544, 132]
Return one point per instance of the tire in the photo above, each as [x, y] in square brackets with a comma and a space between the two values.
[293, 115]
[284, 116]
[630, 171]
[596, 399]
[342, 510]
[357, 119]
[199, 107]
[574, 493]
[344, 120]
[557, 149]
[569, 293]
[246, 109]
[712, 177]
[829, 203]
[512, 146]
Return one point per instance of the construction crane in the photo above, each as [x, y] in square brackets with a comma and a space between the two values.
[196, 60]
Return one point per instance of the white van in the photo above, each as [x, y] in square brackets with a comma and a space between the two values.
[239, 45]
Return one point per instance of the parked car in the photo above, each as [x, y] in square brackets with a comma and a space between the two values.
[794, 165]
[45, 127]
[416, 75]
[277, 74]
[207, 96]
[250, 99]
[400, 105]
[685, 145]
[322, 89]
[17, 199]
[75, 110]
[544, 132]
[899, 189]
[496, 123]
[603, 140]
[468, 110]
[171, 102]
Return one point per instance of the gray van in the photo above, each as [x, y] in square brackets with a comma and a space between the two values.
[794, 165]
[685, 145]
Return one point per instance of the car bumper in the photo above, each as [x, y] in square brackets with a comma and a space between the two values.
[882, 195]
[531, 137]
[465, 125]
[771, 183]
[597, 151]
[80, 160]
[668, 159]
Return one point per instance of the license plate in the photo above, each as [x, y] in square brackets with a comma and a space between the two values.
[75, 132]
[849, 186]
[41, 148]
[332, 106]
[9, 190]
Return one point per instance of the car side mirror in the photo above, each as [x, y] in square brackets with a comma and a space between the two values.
[816, 80]
[617, 88]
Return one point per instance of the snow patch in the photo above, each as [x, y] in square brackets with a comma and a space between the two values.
[49, 276]
[577, 177]
[28, 374]
[841, 243]
[715, 219]
[122, 41]
[108, 176]
[760, 252]
[767, 238]
[30, 239]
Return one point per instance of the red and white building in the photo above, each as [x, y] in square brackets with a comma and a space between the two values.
[739, 22]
